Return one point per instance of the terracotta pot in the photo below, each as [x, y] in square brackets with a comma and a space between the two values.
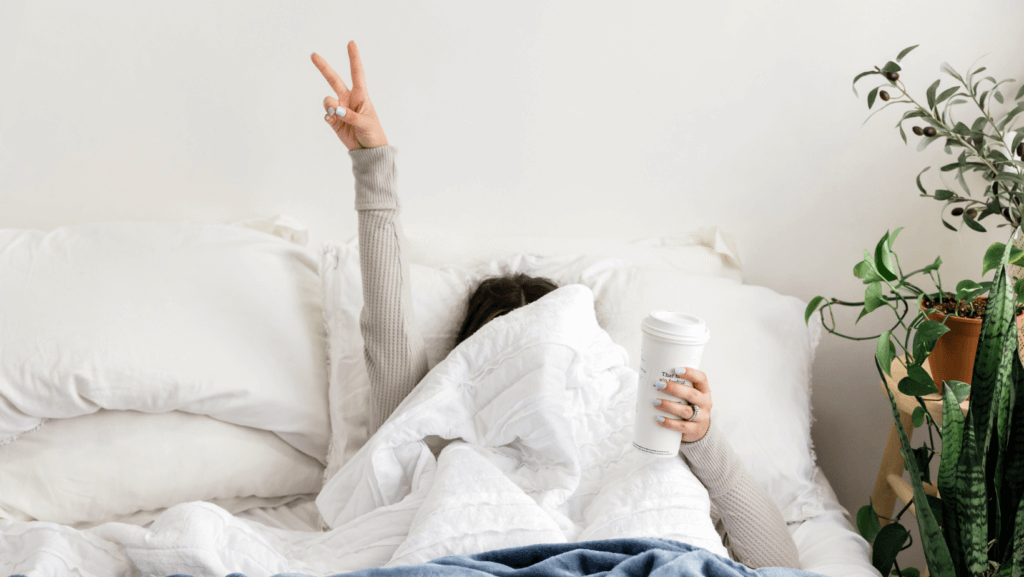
[954, 352]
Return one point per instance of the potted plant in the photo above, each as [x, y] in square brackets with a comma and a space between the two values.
[975, 526]
[961, 314]
[989, 146]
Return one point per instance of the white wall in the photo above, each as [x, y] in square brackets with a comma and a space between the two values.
[617, 119]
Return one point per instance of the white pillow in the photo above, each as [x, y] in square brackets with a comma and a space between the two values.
[129, 466]
[216, 320]
[707, 250]
[439, 297]
[758, 363]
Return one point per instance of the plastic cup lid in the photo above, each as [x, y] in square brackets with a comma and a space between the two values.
[676, 326]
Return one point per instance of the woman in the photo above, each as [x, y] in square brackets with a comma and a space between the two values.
[751, 525]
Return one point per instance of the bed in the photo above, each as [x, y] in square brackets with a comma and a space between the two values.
[247, 434]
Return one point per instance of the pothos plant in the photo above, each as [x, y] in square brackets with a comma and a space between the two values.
[975, 526]
[983, 142]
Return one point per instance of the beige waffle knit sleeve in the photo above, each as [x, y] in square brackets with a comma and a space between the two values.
[754, 529]
[394, 352]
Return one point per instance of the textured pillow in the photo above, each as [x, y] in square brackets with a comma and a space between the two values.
[129, 466]
[707, 250]
[440, 296]
[758, 363]
[215, 320]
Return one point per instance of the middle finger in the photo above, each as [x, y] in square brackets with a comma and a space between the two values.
[332, 77]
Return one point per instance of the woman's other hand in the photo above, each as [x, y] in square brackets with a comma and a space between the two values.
[698, 396]
[351, 114]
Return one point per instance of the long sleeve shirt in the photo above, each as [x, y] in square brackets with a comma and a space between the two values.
[750, 524]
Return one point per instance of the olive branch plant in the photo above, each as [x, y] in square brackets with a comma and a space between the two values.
[962, 536]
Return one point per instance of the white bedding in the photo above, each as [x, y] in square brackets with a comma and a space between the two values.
[544, 402]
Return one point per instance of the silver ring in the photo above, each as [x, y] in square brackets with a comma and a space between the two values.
[695, 410]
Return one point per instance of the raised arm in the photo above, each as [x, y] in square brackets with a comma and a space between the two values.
[754, 528]
[395, 357]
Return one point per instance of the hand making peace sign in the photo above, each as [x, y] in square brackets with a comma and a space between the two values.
[351, 114]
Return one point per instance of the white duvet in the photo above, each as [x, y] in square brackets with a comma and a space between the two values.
[541, 402]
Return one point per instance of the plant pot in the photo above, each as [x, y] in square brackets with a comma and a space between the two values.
[954, 352]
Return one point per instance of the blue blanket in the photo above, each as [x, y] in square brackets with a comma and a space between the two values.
[647, 557]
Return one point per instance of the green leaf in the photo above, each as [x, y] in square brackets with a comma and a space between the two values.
[946, 94]
[887, 545]
[903, 134]
[885, 351]
[945, 67]
[1019, 92]
[811, 307]
[865, 270]
[960, 389]
[925, 337]
[891, 67]
[1011, 469]
[907, 572]
[918, 416]
[993, 360]
[923, 144]
[998, 96]
[867, 523]
[873, 297]
[892, 237]
[903, 53]
[871, 96]
[1017, 559]
[942, 194]
[916, 383]
[931, 93]
[934, 266]
[972, 508]
[952, 443]
[919, 186]
[973, 224]
[935, 504]
[859, 76]
[993, 257]
[883, 259]
[936, 551]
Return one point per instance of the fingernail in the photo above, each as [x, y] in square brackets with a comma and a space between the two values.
[657, 402]
[661, 419]
[661, 385]
[311, 54]
[679, 370]
[330, 111]
[341, 111]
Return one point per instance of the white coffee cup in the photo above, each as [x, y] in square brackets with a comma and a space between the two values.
[670, 340]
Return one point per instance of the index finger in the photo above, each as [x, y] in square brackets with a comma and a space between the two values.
[332, 77]
[697, 377]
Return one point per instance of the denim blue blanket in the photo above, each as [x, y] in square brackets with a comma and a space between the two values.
[647, 557]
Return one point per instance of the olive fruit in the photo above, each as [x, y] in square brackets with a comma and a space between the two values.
[929, 131]
[957, 211]
[883, 95]
[917, 130]
[970, 213]
[1020, 149]
[1005, 212]
[892, 76]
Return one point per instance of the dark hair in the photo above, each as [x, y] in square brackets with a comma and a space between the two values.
[500, 295]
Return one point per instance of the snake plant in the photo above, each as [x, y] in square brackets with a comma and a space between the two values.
[976, 525]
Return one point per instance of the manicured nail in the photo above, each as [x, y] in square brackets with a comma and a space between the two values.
[656, 402]
[661, 385]
[680, 370]
[661, 419]
[341, 111]
[311, 54]
[330, 111]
